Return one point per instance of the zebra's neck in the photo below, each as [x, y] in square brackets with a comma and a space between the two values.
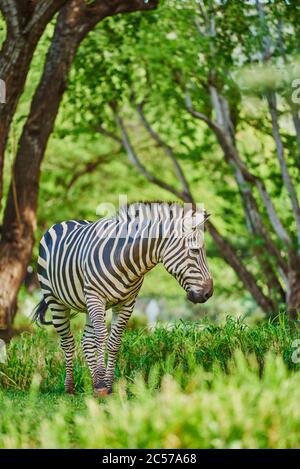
[145, 245]
[141, 239]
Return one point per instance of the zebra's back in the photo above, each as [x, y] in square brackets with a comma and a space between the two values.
[80, 257]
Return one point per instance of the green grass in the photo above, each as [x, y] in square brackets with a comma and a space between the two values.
[185, 385]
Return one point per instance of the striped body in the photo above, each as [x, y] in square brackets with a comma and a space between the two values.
[73, 260]
[91, 267]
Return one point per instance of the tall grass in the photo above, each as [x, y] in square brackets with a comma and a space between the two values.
[187, 385]
[179, 346]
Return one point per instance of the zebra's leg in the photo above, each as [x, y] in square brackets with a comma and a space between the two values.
[61, 322]
[96, 311]
[119, 322]
[89, 348]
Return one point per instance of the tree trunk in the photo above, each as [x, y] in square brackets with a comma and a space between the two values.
[13, 257]
[75, 20]
[20, 211]
[293, 294]
[15, 58]
[293, 298]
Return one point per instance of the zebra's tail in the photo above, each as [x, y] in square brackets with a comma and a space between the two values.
[39, 313]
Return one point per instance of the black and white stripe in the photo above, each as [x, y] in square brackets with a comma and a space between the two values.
[91, 267]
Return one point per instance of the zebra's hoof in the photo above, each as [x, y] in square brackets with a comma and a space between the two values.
[70, 391]
[101, 392]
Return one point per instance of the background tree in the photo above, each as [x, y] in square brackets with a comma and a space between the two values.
[24, 26]
[181, 85]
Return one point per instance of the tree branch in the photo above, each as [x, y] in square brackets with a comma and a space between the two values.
[257, 225]
[167, 149]
[232, 154]
[296, 121]
[272, 104]
[225, 248]
[10, 13]
[227, 251]
[249, 281]
[287, 180]
[104, 8]
[133, 158]
[109, 134]
[224, 130]
[252, 212]
[45, 8]
[16, 54]
[90, 167]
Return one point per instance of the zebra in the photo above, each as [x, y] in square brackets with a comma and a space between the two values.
[91, 267]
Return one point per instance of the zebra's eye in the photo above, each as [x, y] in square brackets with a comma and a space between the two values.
[195, 250]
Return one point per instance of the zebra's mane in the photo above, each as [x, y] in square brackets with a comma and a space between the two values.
[169, 208]
[148, 203]
[158, 202]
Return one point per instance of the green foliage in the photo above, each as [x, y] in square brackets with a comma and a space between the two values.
[182, 386]
[156, 55]
[154, 58]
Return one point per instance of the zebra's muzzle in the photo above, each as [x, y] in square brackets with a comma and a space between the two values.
[201, 296]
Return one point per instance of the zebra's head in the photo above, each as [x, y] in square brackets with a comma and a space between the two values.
[185, 259]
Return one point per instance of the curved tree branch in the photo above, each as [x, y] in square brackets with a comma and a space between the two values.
[16, 55]
[107, 133]
[9, 11]
[167, 149]
[249, 281]
[134, 159]
[287, 180]
[232, 154]
[90, 167]
[228, 252]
